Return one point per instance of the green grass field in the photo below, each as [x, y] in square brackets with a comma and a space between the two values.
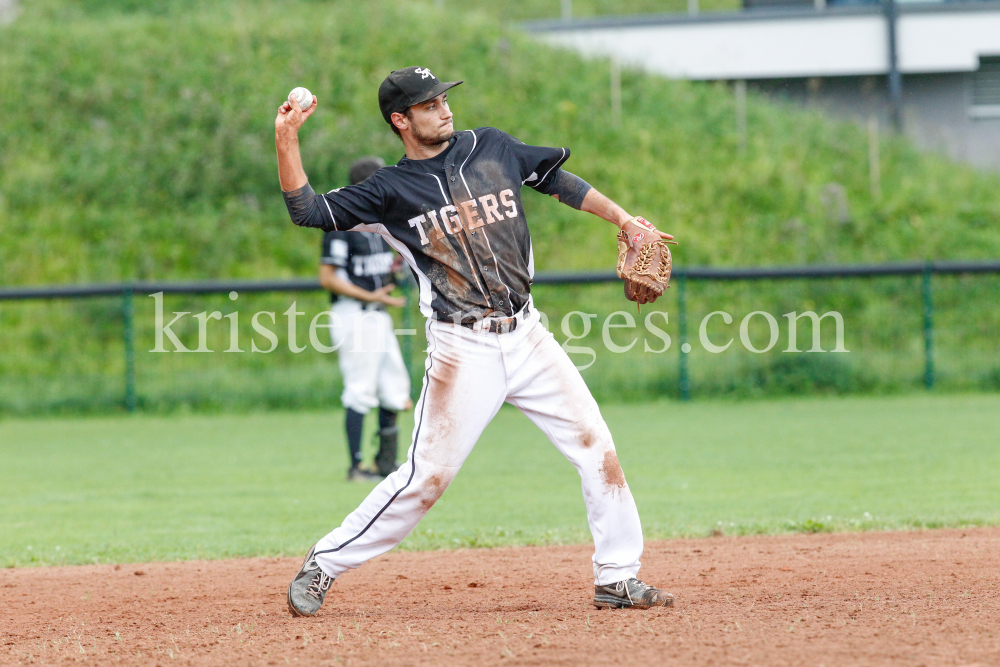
[164, 488]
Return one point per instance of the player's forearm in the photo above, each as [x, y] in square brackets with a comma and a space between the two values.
[300, 199]
[603, 207]
[290, 172]
[359, 293]
[568, 188]
[332, 283]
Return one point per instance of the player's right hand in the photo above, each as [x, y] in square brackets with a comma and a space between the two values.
[291, 116]
[382, 296]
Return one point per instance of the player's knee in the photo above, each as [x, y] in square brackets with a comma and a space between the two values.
[593, 435]
[432, 484]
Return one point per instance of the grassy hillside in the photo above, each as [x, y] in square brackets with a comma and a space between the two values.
[137, 145]
[498, 10]
[136, 142]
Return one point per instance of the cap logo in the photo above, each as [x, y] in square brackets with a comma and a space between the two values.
[423, 72]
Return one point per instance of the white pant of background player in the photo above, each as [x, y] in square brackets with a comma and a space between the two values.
[369, 358]
[468, 377]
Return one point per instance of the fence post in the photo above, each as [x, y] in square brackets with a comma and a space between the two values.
[685, 348]
[616, 90]
[406, 345]
[129, 334]
[928, 327]
[740, 93]
[407, 324]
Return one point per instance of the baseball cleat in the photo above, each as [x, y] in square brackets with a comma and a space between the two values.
[361, 475]
[631, 593]
[309, 587]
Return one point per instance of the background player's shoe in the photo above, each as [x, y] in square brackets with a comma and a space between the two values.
[357, 474]
[388, 447]
[631, 593]
[308, 589]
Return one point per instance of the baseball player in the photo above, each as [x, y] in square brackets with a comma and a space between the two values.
[452, 208]
[357, 269]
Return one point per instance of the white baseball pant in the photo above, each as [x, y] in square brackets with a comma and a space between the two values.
[468, 376]
[369, 358]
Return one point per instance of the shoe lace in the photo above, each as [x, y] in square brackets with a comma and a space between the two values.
[320, 584]
[622, 586]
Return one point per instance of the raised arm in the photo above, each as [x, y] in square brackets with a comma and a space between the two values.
[286, 139]
[299, 196]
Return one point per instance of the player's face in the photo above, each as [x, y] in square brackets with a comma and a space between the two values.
[432, 121]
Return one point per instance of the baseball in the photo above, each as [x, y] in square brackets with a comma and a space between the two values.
[302, 96]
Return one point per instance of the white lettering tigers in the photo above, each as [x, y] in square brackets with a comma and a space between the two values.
[487, 210]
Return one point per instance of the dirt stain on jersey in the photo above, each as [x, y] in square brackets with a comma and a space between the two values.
[611, 473]
[503, 245]
[456, 289]
[448, 272]
[493, 174]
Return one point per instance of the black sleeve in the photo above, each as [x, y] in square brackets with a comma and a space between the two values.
[570, 188]
[538, 164]
[303, 208]
[337, 210]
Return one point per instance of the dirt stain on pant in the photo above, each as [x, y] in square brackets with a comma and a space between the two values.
[435, 488]
[440, 399]
[611, 473]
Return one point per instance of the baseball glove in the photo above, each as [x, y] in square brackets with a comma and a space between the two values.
[643, 261]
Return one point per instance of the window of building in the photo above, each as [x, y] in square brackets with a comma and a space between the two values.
[986, 83]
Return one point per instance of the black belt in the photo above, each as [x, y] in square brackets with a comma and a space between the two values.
[497, 325]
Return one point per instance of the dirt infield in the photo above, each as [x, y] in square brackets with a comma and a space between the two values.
[916, 598]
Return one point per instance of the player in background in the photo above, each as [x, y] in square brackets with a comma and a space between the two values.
[452, 208]
[357, 269]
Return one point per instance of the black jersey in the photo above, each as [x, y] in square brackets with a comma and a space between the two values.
[364, 259]
[456, 219]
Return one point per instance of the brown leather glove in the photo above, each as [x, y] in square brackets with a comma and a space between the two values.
[643, 261]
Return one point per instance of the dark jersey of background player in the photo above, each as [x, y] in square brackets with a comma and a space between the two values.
[362, 258]
[457, 218]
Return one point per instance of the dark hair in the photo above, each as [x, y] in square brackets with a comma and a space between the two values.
[365, 167]
[408, 112]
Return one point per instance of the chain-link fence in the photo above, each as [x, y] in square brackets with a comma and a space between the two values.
[743, 332]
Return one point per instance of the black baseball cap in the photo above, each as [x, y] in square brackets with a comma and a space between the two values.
[408, 86]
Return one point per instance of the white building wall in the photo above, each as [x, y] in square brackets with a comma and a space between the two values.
[814, 45]
[947, 42]
[741, 49]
